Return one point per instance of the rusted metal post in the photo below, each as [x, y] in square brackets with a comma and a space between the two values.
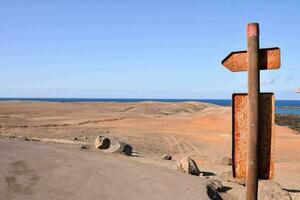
[257, 160]
[253, 101]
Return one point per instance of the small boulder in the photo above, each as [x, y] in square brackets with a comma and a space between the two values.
[189, 166]
[268, 189]
[120, 147]
[167, 157]
[102, 142]
[23, 138]
[84, 147]
[228, 177]
[226, 161]
[213, 188]
[215, 184]
[75, 138]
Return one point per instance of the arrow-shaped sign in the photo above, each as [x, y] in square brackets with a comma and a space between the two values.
[237, 61]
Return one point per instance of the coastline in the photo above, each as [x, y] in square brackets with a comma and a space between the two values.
[291, 121]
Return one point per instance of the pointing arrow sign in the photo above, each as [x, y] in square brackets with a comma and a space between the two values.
[269, 58]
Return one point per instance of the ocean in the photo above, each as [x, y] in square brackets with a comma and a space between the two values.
[281, 106]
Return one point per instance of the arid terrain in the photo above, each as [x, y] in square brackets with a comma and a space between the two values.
[291, 121]
[198, 130]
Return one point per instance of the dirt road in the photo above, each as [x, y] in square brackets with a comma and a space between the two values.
[31, 170]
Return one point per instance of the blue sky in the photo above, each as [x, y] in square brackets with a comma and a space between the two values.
[140, 48]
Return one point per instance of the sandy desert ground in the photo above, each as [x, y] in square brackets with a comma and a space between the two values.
[199, 130]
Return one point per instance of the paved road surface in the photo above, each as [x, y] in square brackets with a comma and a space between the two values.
[32, 171]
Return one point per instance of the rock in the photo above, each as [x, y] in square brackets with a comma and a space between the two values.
[120, 147]
[213, 188]
[22, 138]
[268, 189]
[75, 138]
[228, 177]
[215, 184]
[167, 157]
[102, 142]
[83, 146]
[11, 136]
[226, 161]
[189, 166]
[84, 137]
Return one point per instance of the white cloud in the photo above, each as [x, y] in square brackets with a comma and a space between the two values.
[271, 81]
[279, 79]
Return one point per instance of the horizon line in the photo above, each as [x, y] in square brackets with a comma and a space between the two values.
[130, 98]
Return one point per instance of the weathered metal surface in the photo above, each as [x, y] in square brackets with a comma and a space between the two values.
[237, 61]
[253, 108]
[240, 115]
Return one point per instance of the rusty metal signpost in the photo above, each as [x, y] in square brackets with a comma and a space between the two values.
[253, 114]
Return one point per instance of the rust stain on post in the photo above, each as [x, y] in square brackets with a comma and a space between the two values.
[265, 138]
[237, 61]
